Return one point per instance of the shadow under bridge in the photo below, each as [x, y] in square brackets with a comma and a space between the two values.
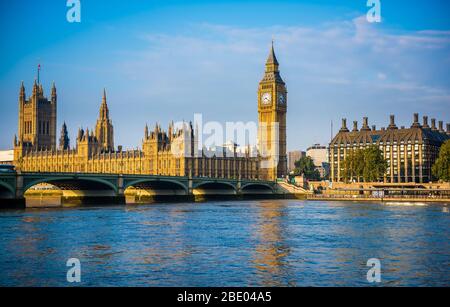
[72, 190]
[147, 190]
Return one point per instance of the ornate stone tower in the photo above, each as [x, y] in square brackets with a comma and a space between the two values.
[272, 107]
[104, 131]
[37, 120]
[64, 141]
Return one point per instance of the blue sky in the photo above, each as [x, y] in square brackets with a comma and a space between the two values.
[166, 60]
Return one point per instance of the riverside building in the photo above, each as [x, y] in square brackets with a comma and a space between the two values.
[409, 151]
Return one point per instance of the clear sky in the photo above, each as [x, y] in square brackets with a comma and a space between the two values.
[166, 60]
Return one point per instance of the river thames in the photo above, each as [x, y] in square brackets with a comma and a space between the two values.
[236, 243]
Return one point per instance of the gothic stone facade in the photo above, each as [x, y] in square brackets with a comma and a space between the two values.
[410, 152]
[171, 153]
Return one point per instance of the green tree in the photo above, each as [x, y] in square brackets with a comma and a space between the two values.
[348, 166]
[367, 165]
[360, 164]
[306, 167]
[353, 166]
[374, 164]
[441, 168]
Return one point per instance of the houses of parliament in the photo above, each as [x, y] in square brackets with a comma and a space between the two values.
[173, 152]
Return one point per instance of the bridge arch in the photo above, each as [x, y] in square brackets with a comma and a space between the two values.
[213, 182]
[60, 181]
[256, 185]
[6, 191]
[213, 187]
[174, 183]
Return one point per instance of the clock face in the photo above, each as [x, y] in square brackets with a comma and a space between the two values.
[281, 99]
[266, 98]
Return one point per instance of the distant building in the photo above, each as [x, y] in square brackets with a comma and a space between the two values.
[294, 156]
[229, 149]
[319, 155]
[410, 152]
[6, 157]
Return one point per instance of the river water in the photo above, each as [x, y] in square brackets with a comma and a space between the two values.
[238, 243]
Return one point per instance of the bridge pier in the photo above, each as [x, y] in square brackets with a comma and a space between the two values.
[19, 186]
[120, 186]
[71, 198]
[12, 203]
[239, 187]
[17, 201]
[158, 198]
[92, 200]
[190, 186]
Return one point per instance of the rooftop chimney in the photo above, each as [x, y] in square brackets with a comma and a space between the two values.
[344, 125]
[365, 126]
[355, 126]
[416, 121]
[441, 126]
[374, 128]
[392, 123]
[425, 122]
[433, 124]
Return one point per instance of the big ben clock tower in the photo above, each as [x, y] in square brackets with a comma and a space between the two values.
[272, 107]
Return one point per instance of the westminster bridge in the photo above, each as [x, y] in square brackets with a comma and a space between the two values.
[80, 188]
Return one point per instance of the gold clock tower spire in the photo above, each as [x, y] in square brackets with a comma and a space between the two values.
[272, 108]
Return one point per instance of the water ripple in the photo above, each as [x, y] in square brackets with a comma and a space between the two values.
[248, 243]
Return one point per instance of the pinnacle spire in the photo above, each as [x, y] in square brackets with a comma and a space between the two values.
[104, 112]
[146, 131]
[53, 90]
[64, 141]
[35, 87]
[22, 89]
[272, 72]
[39, 74]
[272, 59]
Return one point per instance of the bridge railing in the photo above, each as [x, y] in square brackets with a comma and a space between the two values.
[76, 174]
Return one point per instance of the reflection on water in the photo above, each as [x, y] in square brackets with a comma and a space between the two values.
[248, 243]
[271, 250]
